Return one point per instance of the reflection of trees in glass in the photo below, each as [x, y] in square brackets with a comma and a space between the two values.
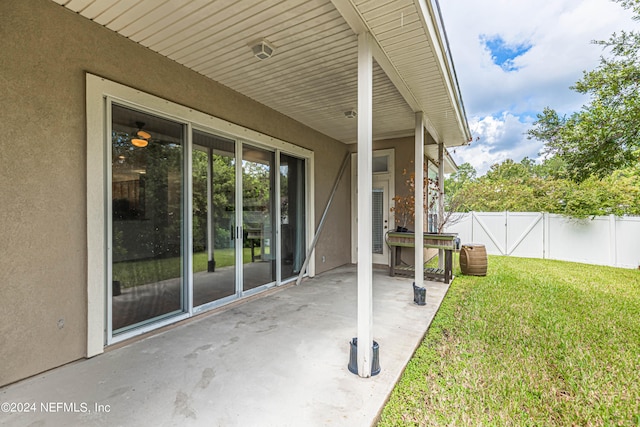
[256, 199]
[156, 228]
[284, 194]
[121, 146]
[163, 191]
[256, 185]
[223, 199]
[128, 188]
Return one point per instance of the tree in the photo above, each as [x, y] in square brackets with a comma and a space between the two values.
[506, 186]
[603, 136]
[618, 194]
[530, 187]
[456, 181]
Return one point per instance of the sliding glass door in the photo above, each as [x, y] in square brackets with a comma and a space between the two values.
[147, 218]
[258, 196]
[292, 215]
[214, 222]
[196, 220]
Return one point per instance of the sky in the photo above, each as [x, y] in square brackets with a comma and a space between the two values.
[513, 58]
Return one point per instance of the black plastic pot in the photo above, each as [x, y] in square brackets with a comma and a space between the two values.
[353, 358]
[419, 295]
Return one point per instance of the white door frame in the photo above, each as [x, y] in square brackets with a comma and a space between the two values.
[378, 177]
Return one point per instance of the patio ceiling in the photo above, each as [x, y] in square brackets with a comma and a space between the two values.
[312, 76]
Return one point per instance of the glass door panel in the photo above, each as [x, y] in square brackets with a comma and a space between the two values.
[292, 215]
[377, 220]
[214, 189]
[380, 221]
[147, 218]
[257, 217]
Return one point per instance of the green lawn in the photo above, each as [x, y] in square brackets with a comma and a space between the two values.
[134, 273]
[534, 343]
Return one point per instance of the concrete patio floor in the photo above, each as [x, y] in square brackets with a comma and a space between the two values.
[276, 360]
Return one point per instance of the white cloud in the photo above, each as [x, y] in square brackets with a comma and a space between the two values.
[497, 139]
[560, 33]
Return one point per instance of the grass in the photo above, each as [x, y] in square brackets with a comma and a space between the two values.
[534, 343]
[134, 273]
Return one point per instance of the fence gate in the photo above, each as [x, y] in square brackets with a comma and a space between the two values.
[508, 233]
[603, 240]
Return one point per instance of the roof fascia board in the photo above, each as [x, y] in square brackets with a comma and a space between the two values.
[452, 165]
[434, 34]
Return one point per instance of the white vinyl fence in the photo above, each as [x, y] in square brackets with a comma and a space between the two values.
[603, 240]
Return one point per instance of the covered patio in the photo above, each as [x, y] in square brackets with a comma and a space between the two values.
[279, 359]
[162, 134]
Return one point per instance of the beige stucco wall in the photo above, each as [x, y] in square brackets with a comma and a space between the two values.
[45, 52]
[405, 158]
[404, 149]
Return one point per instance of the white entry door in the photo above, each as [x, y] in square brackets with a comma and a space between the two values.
[380, 221]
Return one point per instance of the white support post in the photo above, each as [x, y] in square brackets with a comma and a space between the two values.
[440, 198]
[419, 200]
[365, 188]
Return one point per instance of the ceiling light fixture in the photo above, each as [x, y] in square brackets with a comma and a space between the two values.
[263, 50]
[141, 137]
[141, 143]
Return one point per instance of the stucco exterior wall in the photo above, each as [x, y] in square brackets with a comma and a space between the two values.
[405, 158]
[46, 51]
[404, 155]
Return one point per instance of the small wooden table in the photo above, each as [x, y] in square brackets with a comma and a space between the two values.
[399, 240]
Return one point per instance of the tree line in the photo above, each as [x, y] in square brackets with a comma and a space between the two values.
[547, 187]
[592, 157]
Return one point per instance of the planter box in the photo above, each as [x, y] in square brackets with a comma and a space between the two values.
[431, 240]
[446, 241]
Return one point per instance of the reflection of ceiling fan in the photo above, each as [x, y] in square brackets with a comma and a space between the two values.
[141, 137]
